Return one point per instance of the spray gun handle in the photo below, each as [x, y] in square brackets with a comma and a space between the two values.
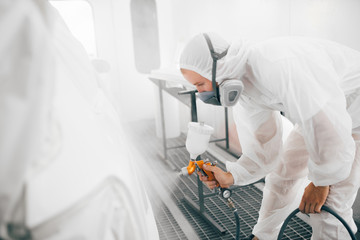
[224, 192]
[199, 164]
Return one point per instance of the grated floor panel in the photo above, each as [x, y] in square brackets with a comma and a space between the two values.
[247, 199]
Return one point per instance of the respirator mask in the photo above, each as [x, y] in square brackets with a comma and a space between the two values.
[228, 92]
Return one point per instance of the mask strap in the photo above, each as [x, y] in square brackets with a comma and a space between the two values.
[213, 79]
[215, 56]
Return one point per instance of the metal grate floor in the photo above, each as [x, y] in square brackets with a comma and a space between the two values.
[167, 225]
[247, 199]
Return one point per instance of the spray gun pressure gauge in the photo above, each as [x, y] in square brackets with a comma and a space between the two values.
[225, 193]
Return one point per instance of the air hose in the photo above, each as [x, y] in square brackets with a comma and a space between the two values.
[237, 219]
[237, 224]
[325, 208]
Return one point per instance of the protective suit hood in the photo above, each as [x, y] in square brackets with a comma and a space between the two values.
[196, 57]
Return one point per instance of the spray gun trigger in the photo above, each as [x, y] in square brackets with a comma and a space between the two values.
[200, 170]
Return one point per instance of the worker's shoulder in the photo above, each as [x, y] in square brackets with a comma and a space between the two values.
[272, 50]
[282, 49]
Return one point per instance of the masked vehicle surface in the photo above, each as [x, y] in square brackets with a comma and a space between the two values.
[65, 166]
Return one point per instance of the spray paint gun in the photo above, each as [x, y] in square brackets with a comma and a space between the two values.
[197, 142]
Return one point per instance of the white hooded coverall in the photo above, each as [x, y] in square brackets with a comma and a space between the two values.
[316, 84]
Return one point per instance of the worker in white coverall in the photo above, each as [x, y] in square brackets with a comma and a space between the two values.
[316, 85]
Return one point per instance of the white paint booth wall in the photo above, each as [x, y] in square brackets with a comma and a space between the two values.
[331, 19]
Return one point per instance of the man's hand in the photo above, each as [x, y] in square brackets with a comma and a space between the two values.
[225, 179]
[313, 198]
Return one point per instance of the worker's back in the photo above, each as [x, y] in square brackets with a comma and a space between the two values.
[310, 52]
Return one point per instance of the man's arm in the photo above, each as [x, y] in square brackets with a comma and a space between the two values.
[260, 135]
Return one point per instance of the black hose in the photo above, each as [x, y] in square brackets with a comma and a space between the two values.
[237, 224]
[325, 208]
